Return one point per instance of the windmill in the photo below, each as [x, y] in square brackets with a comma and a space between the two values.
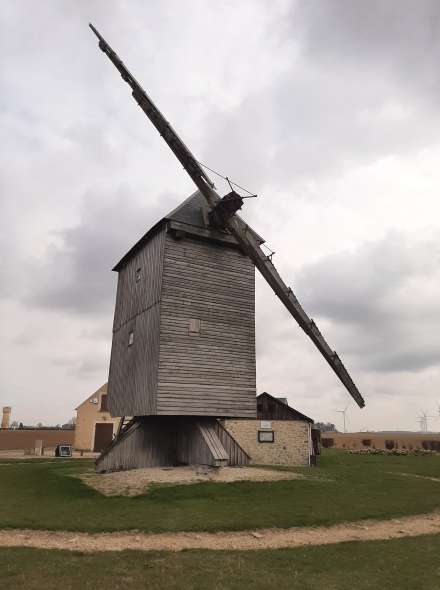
[344, 413]
[183, 348]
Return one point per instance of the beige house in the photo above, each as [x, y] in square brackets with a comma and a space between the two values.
[95, 427]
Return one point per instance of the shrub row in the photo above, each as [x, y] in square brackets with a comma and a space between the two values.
[431, 445]
[427, 445]
[392, 452]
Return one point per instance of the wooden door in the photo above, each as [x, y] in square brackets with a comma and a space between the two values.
[103, 436]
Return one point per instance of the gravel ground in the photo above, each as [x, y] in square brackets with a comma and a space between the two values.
[241, 541]
[136, 481]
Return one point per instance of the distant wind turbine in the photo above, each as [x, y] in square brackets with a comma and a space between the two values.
[423, 420]
[344, 413]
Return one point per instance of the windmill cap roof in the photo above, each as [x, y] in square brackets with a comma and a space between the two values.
[191, 212]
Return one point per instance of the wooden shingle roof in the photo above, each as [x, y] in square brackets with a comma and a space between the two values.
[272, 408]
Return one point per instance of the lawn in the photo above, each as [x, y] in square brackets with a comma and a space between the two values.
[406, 564]
[40, 494]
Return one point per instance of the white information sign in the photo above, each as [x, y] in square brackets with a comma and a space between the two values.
[265, 436]
[265, 424]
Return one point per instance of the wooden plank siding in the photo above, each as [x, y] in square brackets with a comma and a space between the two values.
[132, 383]
[151, 443]
[199, 444]
[237, 457]
[133, 297]
[168, 370]
[211, 373]
[165, 441]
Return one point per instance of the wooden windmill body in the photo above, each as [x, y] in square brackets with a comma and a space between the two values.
[183, 352]
[183, 334]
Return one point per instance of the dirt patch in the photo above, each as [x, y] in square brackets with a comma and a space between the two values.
[251, 540]
[137, 481]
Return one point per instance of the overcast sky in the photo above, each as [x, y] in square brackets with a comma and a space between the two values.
[328, 110]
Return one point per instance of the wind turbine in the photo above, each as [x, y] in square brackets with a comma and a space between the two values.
[344, 413]
[427, 418]
[423, 420]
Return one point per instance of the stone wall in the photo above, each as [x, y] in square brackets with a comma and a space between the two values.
[20, 439]
[291, 444]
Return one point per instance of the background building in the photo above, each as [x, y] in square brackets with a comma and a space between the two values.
[280, 436]
[94, 426]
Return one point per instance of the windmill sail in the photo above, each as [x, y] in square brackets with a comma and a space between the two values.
[223, 215]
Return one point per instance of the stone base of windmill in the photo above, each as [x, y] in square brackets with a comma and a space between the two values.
[167, 441]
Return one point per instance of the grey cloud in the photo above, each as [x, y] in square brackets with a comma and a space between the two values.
[382, 299]
[75, 276]
[297, 131]
[24, 339]
[362, 83]
[412, 360]
[90, 367]
[376, 37]
[370, 272]
[63, 361]
[239, 139]
[100, 332]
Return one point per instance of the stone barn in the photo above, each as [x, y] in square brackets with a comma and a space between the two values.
[280, 436]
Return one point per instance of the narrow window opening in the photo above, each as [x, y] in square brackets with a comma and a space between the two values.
[138, 275]
[104, 403]
[130, 339]
[195, 326]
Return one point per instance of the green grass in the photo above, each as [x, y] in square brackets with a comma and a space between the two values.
[404, 564]
[39, 494]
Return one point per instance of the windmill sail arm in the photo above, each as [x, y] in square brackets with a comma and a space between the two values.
[235, 225]
[174, 142]
[239, 230]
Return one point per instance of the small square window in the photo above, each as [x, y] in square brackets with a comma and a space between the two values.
[138, 275]
[195, 326]
[130, 339]
[266, 436]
